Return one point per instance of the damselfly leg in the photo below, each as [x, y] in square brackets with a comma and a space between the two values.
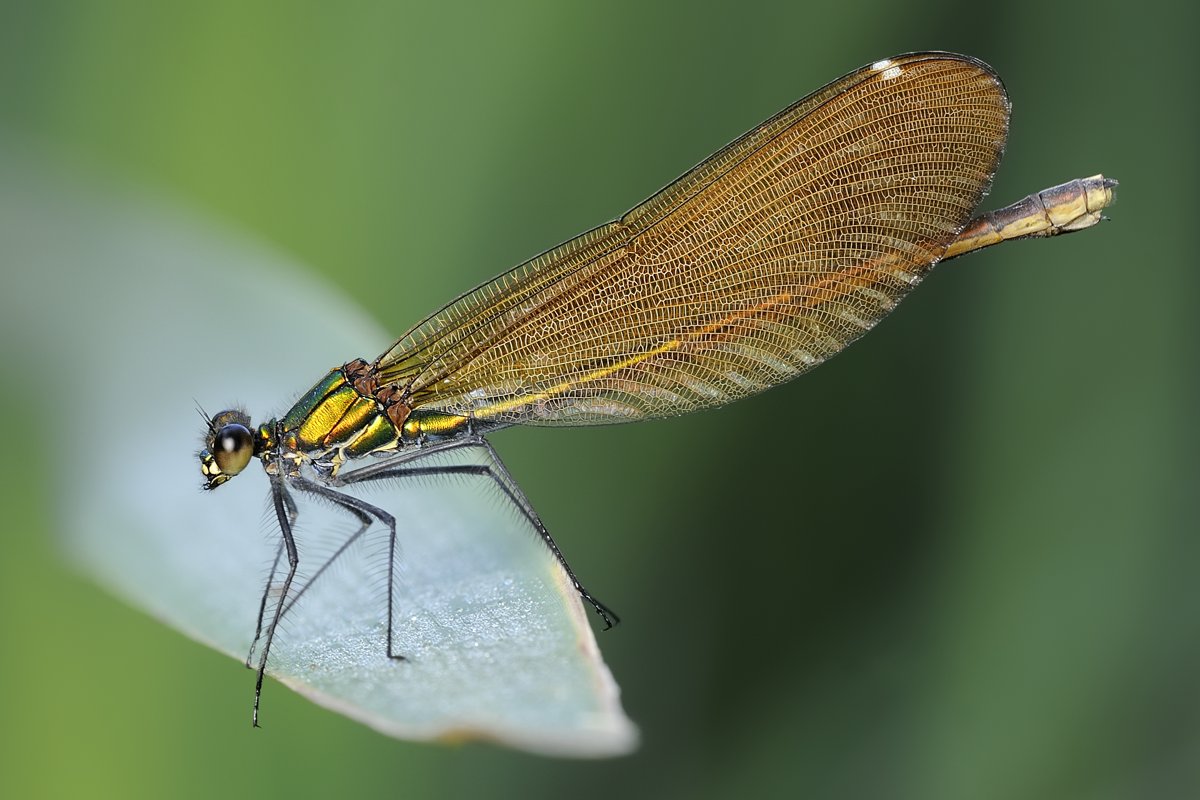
[401, 467]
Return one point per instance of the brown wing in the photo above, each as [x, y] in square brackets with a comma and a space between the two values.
[763, 261]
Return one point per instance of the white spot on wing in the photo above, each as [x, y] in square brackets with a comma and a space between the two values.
[880, 66]
[891, 73]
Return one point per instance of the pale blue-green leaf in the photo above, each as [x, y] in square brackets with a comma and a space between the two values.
[125, 311]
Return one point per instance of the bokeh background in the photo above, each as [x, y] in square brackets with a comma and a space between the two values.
[958, 561]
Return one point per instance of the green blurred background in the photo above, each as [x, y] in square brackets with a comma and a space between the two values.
[957, 561]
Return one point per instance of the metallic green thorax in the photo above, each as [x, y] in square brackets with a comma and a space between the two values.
[333, 416]
[335, 421]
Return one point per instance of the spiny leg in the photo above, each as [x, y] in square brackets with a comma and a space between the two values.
[499, 474]
[282, 502]
[262, 605]
[513, 490]
[364, 522]
[364, 511]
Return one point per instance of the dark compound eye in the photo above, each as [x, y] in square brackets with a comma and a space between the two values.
[233, 446]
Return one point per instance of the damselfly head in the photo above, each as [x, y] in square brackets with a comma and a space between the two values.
[228, 447]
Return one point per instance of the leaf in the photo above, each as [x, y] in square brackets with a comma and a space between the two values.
[124, 312]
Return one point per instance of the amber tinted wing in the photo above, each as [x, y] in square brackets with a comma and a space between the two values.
[761, 262]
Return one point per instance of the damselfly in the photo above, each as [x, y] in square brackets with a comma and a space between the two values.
[750, 269]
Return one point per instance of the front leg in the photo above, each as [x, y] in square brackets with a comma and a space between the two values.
[293, 512]
[282, 503]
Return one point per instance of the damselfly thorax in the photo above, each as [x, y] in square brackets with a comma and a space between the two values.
[346, 416]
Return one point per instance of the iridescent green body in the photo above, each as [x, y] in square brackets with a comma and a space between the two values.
[340, 419]
[333, 416]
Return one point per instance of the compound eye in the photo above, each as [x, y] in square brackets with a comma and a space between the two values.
[232, 448]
